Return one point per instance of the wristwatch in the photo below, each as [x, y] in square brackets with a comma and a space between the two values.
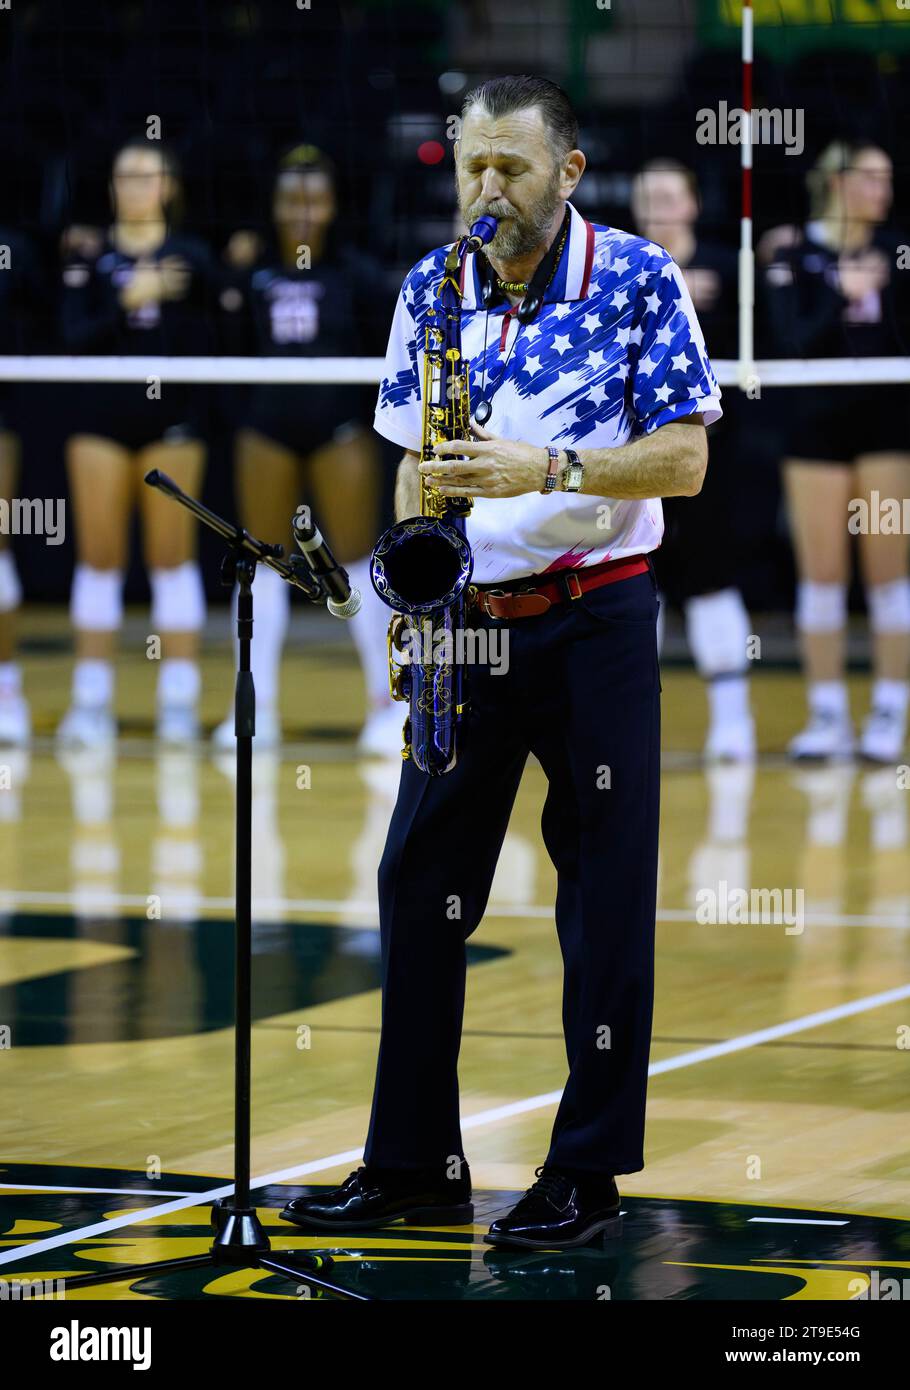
[573, 474]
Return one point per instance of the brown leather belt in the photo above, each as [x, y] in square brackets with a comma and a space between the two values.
[563, 588]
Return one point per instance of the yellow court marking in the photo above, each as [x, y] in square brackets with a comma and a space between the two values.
[825, 1285]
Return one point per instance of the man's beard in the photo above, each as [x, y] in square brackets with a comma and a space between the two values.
[517, 235]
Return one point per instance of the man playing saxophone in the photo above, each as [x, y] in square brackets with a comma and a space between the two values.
[590, 392]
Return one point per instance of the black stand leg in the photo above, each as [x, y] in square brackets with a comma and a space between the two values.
[240, 1239]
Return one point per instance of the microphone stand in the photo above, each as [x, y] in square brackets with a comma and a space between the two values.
[240, 1239]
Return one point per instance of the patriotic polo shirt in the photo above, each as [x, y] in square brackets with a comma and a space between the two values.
[615, 352]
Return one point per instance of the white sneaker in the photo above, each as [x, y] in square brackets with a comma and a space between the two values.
[267, 735]
[381, 735]
[827, 735]
[15, 720]
[731, 741]
[177, 724]
[882, 739]
[87, 726]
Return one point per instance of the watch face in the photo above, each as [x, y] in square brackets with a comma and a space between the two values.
[574, 475]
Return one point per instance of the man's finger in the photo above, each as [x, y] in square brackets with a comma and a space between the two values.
[471, 447]
[448, 470]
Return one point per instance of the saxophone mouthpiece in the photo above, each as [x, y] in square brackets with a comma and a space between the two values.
[483, 231]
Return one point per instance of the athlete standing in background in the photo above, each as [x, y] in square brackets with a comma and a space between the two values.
[148, 291]
[21, 293]
[305, 295]
[699, 530]
[838, 292]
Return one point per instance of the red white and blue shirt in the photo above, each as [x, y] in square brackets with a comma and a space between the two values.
[615, 352]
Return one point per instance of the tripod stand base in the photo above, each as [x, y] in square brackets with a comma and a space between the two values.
[241, 1243]
[238, 1234]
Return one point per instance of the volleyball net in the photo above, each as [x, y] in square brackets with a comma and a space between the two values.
[325, 371]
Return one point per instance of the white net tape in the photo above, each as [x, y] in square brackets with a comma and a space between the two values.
[321, 371]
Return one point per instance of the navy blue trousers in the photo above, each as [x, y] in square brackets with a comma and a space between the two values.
[582, 693]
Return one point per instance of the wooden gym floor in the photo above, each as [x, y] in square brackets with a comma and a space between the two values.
[777, 1157]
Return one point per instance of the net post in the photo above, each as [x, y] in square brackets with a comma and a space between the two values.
[748, 376]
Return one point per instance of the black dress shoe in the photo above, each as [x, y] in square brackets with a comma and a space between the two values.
[372, 1197]
[560, 1212]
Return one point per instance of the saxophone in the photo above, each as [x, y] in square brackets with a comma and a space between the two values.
[421, 566]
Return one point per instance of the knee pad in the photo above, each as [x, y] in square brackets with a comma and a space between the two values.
[889, 606]
[717, 627]
[820, 607]
[96, 601]
[10, 586]
[178, 598]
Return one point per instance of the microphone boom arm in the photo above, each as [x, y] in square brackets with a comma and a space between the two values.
[294, 570]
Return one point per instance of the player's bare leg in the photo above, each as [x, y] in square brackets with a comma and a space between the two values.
[344, 481]
[101, 491]
[818, 494]
[178, 598]
[268, 482]
[885, 562]
[15, 723]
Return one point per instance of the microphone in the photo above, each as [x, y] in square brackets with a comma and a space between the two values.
[483, 230]
[342, 600]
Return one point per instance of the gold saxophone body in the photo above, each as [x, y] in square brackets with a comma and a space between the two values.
[421, 566]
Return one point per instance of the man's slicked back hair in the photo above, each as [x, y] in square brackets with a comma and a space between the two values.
[500, 96]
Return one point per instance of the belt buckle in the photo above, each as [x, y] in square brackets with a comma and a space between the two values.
[482, 601]
[578, 589]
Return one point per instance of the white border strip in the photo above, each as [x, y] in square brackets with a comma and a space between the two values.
[482, 1117]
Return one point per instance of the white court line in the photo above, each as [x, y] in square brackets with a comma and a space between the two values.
[126, 1191]
[482, 1117]
[336, 907]
[795, 1221]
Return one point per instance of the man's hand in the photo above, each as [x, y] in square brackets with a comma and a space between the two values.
[493, 467]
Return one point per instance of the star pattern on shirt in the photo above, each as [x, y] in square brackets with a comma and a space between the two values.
[625, 359]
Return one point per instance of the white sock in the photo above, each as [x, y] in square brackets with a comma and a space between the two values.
[717, 628]
[93, 682]
[10, 678]
[271, 613]
[888, 694]
[369, 628]
[178, 682]
[728, 698]
[829, 697]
